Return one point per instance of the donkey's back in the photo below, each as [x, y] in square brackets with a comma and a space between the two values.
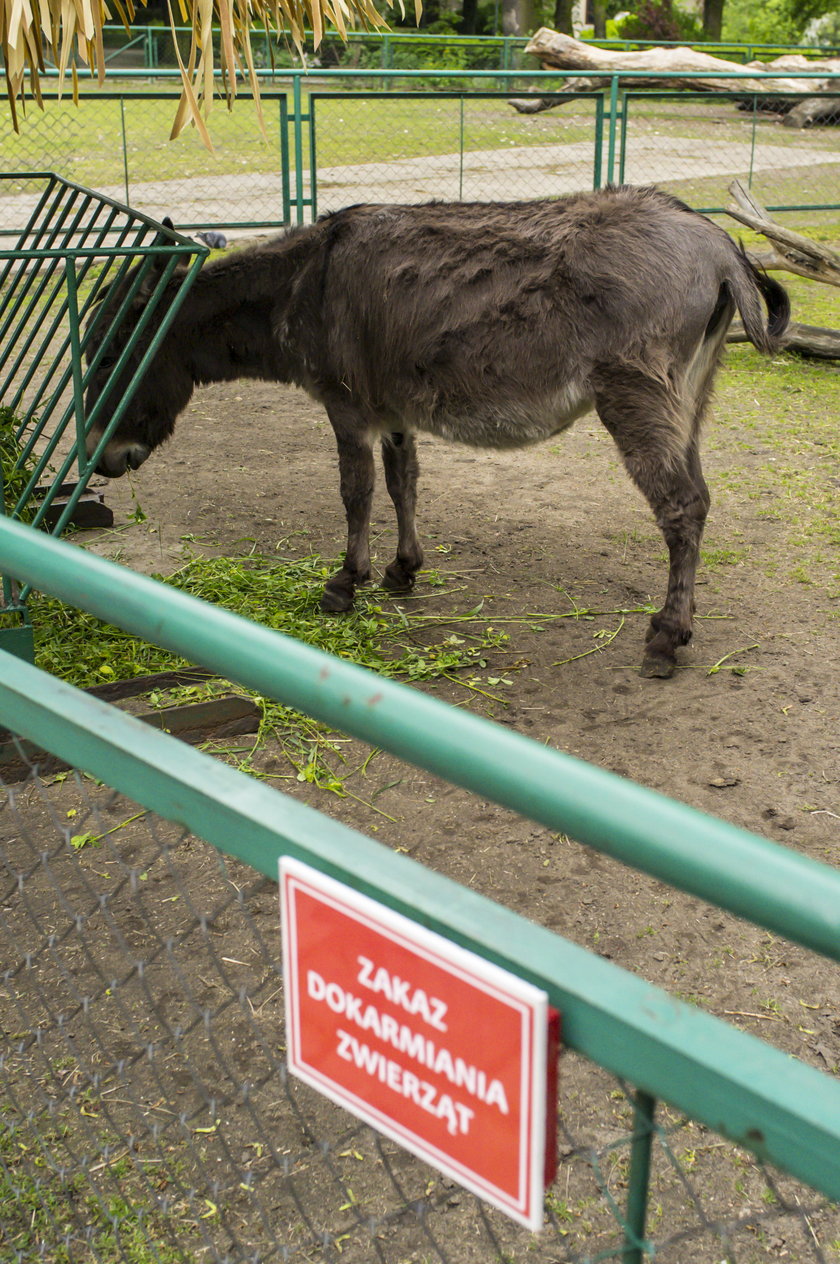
[488, 323]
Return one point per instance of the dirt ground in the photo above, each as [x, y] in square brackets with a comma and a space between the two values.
[541, 531]
[534, 531]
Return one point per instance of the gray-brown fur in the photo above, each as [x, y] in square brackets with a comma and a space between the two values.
[491, 324]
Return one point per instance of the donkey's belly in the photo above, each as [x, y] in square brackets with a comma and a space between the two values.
[508, 423]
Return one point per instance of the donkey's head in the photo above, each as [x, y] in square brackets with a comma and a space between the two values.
[162, 391]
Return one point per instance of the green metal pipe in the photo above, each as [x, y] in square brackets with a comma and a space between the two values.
[613, 128]
[769, 885]
[408, 37]
[644, 1108]
[330, 73]
[297, 120]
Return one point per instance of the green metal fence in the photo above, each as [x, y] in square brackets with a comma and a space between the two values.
[151, 47]
[73, 245]
[143, 1086]
[340, 136]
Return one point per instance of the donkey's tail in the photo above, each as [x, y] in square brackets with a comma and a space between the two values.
[748, 285]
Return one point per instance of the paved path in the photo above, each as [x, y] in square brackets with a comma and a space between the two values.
[485, 175]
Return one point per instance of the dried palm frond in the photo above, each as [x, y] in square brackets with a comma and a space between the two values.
[70, 33]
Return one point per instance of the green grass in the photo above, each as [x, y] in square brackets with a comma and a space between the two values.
[780, 415]
[15, 472]
[66, 1216]
[413, 647]
[284, 596]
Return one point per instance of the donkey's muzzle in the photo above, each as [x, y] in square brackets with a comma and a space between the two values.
[117, 460]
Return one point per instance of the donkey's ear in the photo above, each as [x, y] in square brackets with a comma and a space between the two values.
[167, 223]
[152, 278]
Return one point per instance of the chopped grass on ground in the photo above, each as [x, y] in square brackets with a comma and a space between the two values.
[285, 596]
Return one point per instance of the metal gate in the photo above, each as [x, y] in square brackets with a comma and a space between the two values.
[76, 244]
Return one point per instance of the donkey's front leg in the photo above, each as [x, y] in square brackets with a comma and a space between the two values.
[399, 457]
[355, 464]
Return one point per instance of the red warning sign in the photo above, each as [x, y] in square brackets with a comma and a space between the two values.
[434, 1046]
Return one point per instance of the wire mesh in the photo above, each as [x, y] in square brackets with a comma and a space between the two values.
[695, 145]
[452, 147]
[120, 145]
[146, 1113]
[391, 138]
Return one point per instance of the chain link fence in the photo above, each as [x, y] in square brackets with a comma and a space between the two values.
[146, 1113]
[332, 139]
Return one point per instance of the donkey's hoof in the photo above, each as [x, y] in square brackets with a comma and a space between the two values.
[336, 601]
[397, 580]
[657, 667]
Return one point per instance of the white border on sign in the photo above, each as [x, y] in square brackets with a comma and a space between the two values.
[530, 1002]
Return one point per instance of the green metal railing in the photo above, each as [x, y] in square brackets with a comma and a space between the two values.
[76, 249]
[781, 1110]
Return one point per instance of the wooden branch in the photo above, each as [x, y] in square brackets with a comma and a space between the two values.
[558, 51]
[812, 341]
[813, 110]
[791, 250]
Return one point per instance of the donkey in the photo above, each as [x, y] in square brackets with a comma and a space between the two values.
[493, 324]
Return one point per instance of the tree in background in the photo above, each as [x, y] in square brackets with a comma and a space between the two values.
[773, 21]
[660, 20]
[563, 17]
[712, 20]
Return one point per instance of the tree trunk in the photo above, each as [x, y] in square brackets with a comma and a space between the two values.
[563, 16]
[558, 51]
[712, 19]
[791, 250]
[517, 17]
[599, 18]
[813, 110]
[469, 17]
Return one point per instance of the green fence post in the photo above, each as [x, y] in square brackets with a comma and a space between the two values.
[284, 161]
[624, 115]
[752, 142]
[75, 356]
[124, 148]
[313, 161]
[611, 140]
[297, 119]
[644, 1107]
[599, 142]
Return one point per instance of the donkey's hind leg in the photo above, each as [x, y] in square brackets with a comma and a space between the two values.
[399, 457]
[356, 470]
[657, 438]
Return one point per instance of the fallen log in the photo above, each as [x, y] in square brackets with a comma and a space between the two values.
[812, 341]
[813, 110]
[796, 254]
[558, 51]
